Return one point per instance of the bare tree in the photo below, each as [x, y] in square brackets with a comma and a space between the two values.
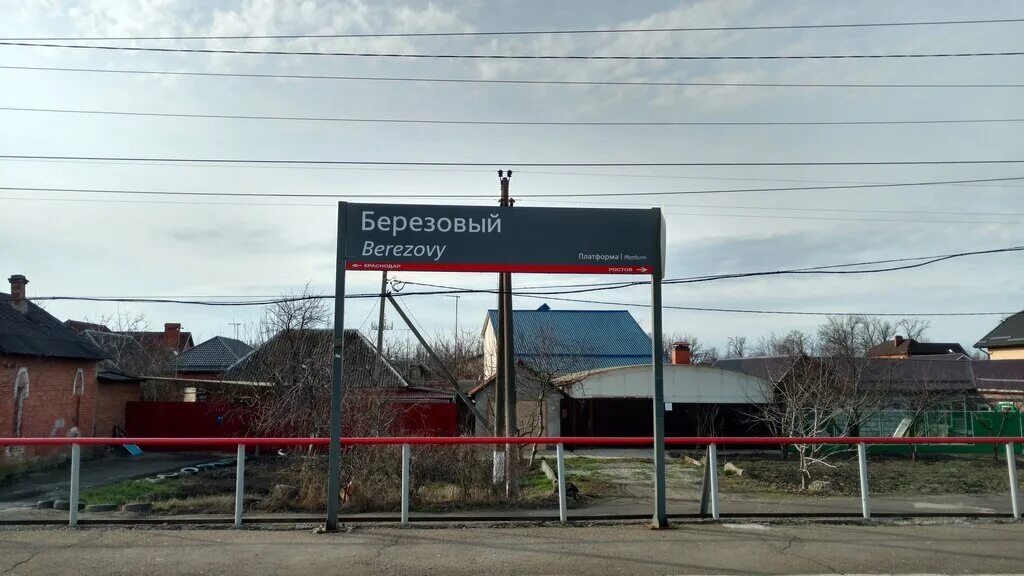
[918, 388]
[855, 335]
[792, 344]
[115, 335]
[913, 327]
[736, 347]
[700, 353]
[817, 396]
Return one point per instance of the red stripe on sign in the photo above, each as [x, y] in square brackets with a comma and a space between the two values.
[496, 267]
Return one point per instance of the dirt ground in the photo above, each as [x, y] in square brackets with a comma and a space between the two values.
[891, 475]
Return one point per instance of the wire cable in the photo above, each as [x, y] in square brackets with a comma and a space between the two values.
[507, 163]
[547, 297]
[558, 295]
[119, 191]
[525, 32]
[515, 122]
[669, 212]
[411, 55]
[501, 81]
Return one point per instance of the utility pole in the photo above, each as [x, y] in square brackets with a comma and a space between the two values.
[456, 296]
[380, 318]
[509, 368]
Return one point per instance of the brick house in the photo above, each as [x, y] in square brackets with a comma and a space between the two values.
[47, 373]
[901, 348]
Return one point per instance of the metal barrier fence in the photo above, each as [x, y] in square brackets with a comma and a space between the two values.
[712, 444]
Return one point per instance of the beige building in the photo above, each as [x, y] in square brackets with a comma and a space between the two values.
[1006, 341]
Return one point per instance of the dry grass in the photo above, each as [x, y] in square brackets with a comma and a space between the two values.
[221, 504]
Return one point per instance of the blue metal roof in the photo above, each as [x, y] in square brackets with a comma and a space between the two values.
[576, 340]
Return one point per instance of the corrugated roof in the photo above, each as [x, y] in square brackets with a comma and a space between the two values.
[1009, 333]
[770, 368]
[274, 359]
[38, 333]
[577, 340]
[999, 374]
[940, 373]
[214, 355]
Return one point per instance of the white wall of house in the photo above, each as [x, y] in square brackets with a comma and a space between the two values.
[490, 350]
[684, 384]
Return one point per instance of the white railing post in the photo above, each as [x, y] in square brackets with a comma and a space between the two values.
[1011, 467]
[862, 464]
[713, 477]
[239, 484]
[406, 461]
[560, 465]
[76, 462]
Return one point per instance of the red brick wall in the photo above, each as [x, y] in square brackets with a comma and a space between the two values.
[111, 400]
[50, 409]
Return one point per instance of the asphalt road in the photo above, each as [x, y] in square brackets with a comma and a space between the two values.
[55, 482]
[989, 548]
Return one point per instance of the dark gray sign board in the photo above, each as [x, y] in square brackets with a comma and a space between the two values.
[480, 239]
[500, 239]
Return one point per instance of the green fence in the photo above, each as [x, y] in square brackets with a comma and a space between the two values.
[942, 423]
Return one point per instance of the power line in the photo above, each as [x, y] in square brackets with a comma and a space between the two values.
[484, 196]
[524, 32]
[648, 83]
[769, 312]
[914, 262]
[843, 210]
[507, 163]
[535, 296]
[555, 295]
[419, 56]
[514, 122]
[429, 170]
[698, 214]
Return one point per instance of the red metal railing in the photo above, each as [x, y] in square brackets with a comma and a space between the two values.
[491, 440]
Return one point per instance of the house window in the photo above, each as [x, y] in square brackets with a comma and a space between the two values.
[78, 384]
[21, 386]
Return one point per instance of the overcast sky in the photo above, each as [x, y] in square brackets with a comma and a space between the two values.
[76, 244]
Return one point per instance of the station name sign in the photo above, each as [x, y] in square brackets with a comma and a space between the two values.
[484, 239]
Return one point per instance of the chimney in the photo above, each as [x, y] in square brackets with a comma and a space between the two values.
[897, 340]
[172, 334]
[18, 300]
[681, 353]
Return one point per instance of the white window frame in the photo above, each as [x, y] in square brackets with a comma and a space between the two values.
[76, 388]
[22, 371]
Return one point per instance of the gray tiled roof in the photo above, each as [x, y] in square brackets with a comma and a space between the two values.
[38, 333]
[215, 355]
[1009, 333]
[276, 360]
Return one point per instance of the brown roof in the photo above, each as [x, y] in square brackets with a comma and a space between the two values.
[999, 374]
[911, 347]
[80, 326]
[155, 340]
